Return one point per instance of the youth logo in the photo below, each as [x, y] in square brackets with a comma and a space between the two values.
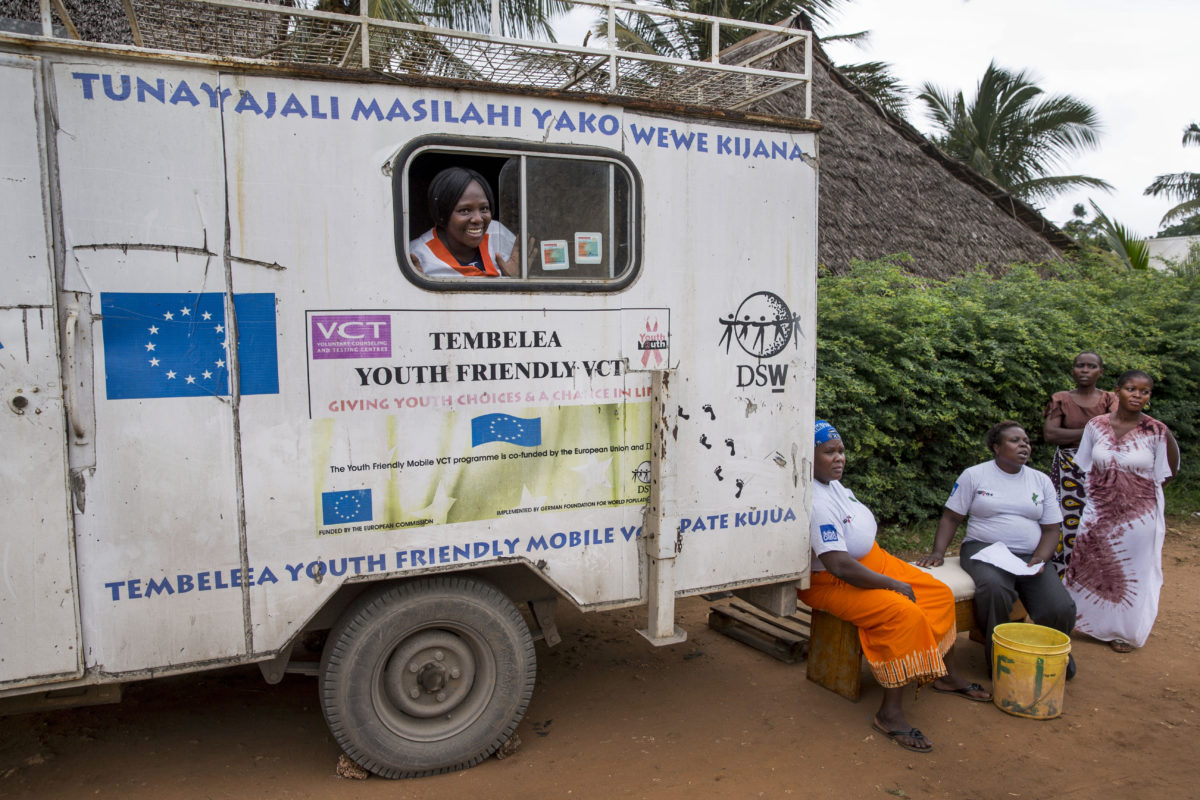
[650, 342]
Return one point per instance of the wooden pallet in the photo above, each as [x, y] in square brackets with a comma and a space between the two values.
[784, 638]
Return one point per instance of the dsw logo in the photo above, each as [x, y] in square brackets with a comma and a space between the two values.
[773, 375]
[763, 326]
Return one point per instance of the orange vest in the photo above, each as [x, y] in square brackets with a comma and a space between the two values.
[443, 253]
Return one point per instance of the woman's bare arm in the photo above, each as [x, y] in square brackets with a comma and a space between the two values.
[843, 567]
[1172, 456]
[1054, 433]
[947, 527]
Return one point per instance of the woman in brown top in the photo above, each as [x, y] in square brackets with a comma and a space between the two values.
[1066, 416]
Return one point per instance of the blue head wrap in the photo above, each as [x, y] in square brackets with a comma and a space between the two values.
[824, 432]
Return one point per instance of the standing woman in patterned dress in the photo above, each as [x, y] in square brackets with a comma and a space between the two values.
[1066, 416]
[1115, 572]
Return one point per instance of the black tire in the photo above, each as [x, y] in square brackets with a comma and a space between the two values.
[426, 677]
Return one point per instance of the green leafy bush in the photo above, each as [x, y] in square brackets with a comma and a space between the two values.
[913, 371]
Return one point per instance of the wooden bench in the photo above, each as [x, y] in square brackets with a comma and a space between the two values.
[835, 653]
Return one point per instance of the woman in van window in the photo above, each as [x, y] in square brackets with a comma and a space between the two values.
[464, 239]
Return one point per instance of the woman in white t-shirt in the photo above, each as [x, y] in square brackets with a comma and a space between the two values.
[905, 616]
[1005, 501]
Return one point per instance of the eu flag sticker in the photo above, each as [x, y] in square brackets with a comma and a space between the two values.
[351, 506]
[506, 428]
[176, 344]
[828, 533]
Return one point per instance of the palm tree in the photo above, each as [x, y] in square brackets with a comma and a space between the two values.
[1013, 133]
[1183, 187]
[517, 17]
[692, 39]
[876, 79]
[689, 39]
[1132, 251]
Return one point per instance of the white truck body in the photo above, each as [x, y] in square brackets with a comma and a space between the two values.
[227, 400]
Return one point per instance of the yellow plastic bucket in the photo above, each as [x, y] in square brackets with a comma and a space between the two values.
[1029, 669]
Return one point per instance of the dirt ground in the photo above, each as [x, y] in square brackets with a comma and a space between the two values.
[614, 717]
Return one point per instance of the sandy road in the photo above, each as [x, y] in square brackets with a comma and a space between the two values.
[614, 717]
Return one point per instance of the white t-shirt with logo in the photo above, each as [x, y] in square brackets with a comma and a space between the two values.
[1005, 507]
[839, 522]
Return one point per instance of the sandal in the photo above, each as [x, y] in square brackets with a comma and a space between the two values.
[911, 733]
[1121, 646]
[970, 691]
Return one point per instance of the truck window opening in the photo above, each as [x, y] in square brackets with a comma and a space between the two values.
[572, 215]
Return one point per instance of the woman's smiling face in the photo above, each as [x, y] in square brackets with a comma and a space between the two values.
[469, 220]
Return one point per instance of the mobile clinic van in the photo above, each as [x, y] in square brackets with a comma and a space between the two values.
[236, 410]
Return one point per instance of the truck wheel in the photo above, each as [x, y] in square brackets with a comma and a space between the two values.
[426, 677]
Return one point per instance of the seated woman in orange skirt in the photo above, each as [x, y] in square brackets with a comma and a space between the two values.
[905, 617]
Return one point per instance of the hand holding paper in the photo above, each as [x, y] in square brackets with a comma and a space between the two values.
[998, 555]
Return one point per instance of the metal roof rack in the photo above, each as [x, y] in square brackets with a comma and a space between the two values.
[242, 30]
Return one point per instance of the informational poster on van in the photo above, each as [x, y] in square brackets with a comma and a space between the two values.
[481, 415]
[589, 248]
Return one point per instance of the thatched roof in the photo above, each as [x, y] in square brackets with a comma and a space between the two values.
[885, 188]
[96, 20]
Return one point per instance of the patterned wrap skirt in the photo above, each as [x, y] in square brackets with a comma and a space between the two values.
[1068, 482]
[902, 641]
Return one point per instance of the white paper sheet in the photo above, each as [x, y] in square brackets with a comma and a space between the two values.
[998, 555]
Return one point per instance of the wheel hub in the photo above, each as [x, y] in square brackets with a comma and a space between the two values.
[429, 674]
[432, 677]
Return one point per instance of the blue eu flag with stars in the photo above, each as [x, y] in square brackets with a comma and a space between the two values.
[350, 506]
[176, 344]
[506, 428]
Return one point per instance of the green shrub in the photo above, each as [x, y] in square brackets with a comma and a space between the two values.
[913, 371]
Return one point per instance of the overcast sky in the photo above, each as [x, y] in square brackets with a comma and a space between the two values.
[1136, 63]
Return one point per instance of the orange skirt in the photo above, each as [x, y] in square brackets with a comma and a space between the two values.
[903, 641]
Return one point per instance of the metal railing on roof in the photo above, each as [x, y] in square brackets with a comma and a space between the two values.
[265, 32]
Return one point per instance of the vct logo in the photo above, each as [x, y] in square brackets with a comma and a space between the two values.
[650, 342]
[762, 326]
[352, 336]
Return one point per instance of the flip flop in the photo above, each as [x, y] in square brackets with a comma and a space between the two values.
[1121, 646]
[965, 691]
[911, 733]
